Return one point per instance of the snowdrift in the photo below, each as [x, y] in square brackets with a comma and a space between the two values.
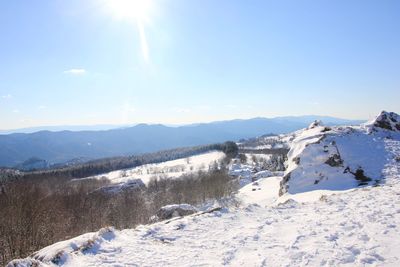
[61, 252]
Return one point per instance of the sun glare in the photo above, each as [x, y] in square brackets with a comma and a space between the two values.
[130, 9]
[136, 11]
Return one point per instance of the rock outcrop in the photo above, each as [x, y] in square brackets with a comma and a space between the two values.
[338, 158]
[175, 210]
[386, 120]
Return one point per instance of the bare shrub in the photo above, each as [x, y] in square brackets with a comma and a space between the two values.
[35, 213]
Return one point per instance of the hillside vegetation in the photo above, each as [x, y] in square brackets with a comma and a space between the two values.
[43, 207]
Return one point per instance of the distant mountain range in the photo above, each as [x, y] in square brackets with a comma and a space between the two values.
[58, 128]
[63, 146]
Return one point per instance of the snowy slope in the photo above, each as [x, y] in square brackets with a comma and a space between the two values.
[167, 169]
[340, 224]
[356, 228]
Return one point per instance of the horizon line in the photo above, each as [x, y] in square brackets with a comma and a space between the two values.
[111, 126]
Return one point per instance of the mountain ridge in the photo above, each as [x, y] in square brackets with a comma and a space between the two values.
[106, 127]
[62, 146]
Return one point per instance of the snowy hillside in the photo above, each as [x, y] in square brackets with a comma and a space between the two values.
[336, 204]
[167, 169]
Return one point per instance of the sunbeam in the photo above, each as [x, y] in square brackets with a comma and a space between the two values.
[135, 11]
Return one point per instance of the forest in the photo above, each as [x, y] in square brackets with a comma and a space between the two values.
[43, 207]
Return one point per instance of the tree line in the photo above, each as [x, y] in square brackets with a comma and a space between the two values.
[105, 165]
[47, 207]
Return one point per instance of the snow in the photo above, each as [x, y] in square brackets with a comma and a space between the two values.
[167, 169]
[258, 157]
[130, 184]
[263, 191]
[178, 206]
[60, 253]
[334, 222]
[303, 139]
[355, 228]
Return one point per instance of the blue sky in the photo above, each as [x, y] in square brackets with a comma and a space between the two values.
[180, 61]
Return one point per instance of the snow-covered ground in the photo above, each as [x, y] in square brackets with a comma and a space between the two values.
[356, 228]
[311, 224]
[167, 169]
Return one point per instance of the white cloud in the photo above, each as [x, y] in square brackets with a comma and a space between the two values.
[15, 111]
[75, 71]
[7, 96]
[41, 107]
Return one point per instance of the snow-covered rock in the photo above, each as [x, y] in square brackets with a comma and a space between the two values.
[337, 158]
[175, 210]
[62, 252]
[386, 120]
[315, 124]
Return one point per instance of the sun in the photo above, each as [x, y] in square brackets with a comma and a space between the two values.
[130, 9]
[133, 11]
